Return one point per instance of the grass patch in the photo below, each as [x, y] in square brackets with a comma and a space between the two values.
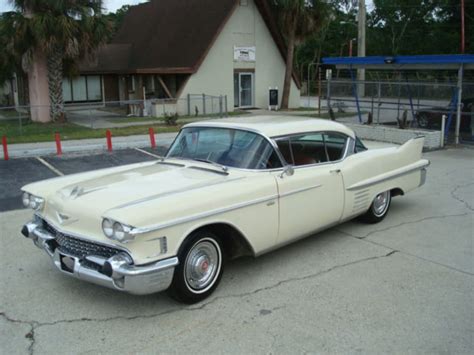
[44, 132]
[12, 113]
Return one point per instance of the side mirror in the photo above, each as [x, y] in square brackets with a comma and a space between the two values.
[287, 170]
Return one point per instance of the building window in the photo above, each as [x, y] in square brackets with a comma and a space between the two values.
[82, 88]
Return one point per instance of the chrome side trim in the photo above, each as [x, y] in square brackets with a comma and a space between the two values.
[172, 164]
[300, 190]
[172, 192]
[155, 227]
[391, 175]
[225, 173]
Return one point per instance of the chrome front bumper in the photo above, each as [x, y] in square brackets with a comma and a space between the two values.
[116, 272]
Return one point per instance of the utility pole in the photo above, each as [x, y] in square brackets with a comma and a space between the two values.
[361, 16]
[462, 27]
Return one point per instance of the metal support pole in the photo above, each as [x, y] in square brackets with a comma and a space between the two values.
[319, 90]
[328, 92]
[443, 125]
[458, 113]
[203, 104]
[225, 102]
[356, 95]
[220, 106]
[379, 96]
[19, 121]
[413, 119]
[189, 104]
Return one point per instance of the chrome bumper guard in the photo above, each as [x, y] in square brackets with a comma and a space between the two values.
[116, 272]
[422, 177]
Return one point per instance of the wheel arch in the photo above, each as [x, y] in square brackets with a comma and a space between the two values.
[234, 241]
[396, 192]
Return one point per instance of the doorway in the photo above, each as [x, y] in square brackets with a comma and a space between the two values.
[243, 89]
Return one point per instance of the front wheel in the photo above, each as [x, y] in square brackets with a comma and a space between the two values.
[200, 268]
[378, 209]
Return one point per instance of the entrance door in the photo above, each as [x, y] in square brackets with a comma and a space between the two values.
[243, 90]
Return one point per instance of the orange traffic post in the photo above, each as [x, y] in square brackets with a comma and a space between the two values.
[5, 147]
[152, 137]
[59, 150]
[109, 140]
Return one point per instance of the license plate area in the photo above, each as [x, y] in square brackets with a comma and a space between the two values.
[67, 263]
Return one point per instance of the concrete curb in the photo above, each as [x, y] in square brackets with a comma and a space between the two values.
[87, 145]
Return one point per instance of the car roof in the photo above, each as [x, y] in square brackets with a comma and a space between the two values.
[276, 125]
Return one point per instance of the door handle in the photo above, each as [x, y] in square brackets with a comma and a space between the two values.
[335, 171]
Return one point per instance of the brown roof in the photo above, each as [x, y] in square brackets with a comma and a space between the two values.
[170, 36]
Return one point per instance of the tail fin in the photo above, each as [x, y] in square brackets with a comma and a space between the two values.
[413, 148]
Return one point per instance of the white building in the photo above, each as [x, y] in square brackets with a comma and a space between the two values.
[174, 50]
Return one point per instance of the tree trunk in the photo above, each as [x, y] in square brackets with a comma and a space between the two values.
[38, 88]
[289, 67]
[55, 83]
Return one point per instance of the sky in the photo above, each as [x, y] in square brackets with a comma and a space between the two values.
[110, 5]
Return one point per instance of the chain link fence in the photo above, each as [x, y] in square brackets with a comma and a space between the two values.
[403, 104]
[112, 114]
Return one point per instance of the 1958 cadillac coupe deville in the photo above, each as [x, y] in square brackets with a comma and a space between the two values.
[225, 188]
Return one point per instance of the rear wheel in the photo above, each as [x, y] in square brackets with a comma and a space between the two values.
[200, 268]
[378, 209]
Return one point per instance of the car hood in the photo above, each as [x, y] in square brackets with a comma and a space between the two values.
[85, 201]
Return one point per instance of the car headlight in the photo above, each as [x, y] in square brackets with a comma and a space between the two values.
[117, 231]
[32, 201]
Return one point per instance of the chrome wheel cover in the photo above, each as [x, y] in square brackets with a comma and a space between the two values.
[381, 203]
[202, 265]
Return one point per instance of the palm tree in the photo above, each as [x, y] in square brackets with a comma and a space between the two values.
[299, 20]
[51, 36]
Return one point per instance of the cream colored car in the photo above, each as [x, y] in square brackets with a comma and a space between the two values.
[226, 188]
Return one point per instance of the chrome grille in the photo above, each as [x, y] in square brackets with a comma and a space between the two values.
[78, 247]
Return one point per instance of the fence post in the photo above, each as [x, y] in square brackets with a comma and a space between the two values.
[379, 96]
[5, 147]
[189, 105]
[443, 125]
[203, 104]
[225, 102]
[59, 150]
[220, 106]
[152, 137]
[21, 126]
[109, 140]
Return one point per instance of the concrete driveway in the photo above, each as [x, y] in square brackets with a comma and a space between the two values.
[405, 285]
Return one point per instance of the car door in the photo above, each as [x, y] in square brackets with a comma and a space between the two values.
[312, 198]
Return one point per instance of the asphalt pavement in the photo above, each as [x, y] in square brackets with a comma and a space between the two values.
[405, 285]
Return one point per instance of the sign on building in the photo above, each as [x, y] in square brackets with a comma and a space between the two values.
[244, 54]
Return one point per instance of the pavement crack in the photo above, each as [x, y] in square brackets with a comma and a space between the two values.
[403, 224]
[30, 335]
[457, 198]
[293, 279]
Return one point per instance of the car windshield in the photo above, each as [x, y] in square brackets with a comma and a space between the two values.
[229, 147]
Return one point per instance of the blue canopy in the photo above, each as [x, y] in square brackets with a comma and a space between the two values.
[447, 61]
